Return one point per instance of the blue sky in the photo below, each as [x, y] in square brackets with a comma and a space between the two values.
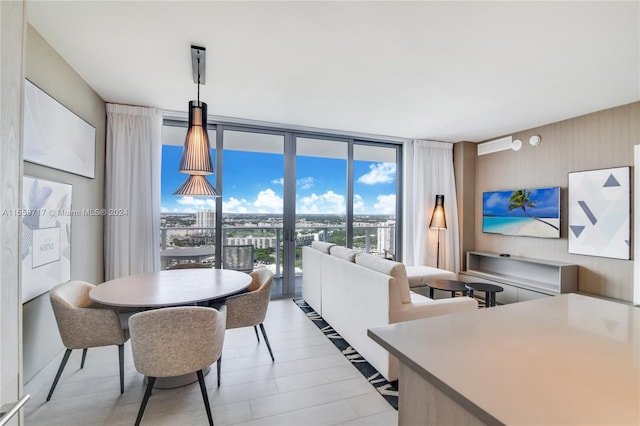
[253, 183]
[547, 202]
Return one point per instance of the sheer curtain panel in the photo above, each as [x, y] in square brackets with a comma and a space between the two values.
[132, 221]
[429, 171]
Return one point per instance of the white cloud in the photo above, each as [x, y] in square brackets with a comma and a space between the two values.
[358, 204]
[305, 183]
[379, 173]
[385, 204]
[268, 201]
[327, 203]
[234, 205]
[197, 202]
[302, 183]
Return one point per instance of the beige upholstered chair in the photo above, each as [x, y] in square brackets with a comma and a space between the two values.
[175, 341]
[188, 266]
[249, 309]
[83, 325]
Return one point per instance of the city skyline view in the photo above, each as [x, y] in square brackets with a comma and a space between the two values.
[253, 183]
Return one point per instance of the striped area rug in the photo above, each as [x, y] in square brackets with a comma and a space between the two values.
[388, 390]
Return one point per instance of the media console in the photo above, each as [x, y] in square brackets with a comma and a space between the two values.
[522, 278]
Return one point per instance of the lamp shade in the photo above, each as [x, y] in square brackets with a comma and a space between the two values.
[197, 186]
[438, 218]
[196, 155]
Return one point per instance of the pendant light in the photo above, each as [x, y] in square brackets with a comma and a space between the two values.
[196, 155]
[197, 185]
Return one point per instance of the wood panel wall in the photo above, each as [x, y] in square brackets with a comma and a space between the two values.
[594, 141]
[12, 24]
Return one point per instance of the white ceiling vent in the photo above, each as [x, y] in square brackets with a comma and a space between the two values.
[496, 145]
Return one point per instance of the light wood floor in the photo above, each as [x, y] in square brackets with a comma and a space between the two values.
[310, 383]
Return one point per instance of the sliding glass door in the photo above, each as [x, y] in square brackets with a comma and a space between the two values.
[281, 190]
[253, 198]
[321, 194]
[375, 201]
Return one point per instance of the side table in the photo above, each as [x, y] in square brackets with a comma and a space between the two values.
[447, 285]
[489, 290]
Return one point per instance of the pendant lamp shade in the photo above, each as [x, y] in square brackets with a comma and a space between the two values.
[196, 156]
[197, 186]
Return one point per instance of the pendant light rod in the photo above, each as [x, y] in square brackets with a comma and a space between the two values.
[198, 61]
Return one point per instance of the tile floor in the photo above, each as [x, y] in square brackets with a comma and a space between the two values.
[310, 383]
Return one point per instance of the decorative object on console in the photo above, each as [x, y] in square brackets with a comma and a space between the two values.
[599, 213]
[523, 212]
[196, 156]
[438, 221]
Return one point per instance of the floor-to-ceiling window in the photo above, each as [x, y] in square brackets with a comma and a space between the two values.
[321, 193]
[375, 207]
[253, 197]
[281, 190]
[187, 224]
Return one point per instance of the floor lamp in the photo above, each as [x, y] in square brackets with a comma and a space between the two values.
[438, 221]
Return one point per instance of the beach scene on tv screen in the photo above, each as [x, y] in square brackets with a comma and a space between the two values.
[522, 212]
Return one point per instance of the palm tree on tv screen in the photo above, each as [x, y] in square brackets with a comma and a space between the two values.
[521, 199]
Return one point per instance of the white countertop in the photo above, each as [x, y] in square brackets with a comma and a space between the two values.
[568, 359]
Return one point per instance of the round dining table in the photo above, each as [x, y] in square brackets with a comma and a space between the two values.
[177, 287]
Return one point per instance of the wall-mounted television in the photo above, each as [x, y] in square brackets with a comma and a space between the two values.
[522, 212]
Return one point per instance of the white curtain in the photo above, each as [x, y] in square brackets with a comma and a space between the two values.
[428, 170]
[132, 193]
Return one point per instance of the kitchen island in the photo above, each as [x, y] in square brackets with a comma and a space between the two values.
[564, 360]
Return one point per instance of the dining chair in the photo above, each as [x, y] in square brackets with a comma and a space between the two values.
[170, 342]
[82, 325]
[250, 309]
[190, 265]
[238, 257]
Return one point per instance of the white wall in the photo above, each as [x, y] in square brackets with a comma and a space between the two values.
[48, 70]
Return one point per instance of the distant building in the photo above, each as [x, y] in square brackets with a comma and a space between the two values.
[205, 219]
[257, 242]
[387, 239]
[305, 239]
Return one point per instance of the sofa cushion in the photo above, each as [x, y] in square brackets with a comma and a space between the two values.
[322, 246]
[418, 276]
[343, 253]
[388, 267]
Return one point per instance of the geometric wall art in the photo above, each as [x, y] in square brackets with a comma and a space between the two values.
[600, 212]
[46, 235]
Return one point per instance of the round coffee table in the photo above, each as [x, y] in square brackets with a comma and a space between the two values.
[447, 285]
[490, 291]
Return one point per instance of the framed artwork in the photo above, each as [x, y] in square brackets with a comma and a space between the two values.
[46, 235]
[56, 137]
[600, 212]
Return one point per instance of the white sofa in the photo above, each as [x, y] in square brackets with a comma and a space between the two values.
[354, 292]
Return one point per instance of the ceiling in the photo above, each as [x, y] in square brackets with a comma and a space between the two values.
[446, 71]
